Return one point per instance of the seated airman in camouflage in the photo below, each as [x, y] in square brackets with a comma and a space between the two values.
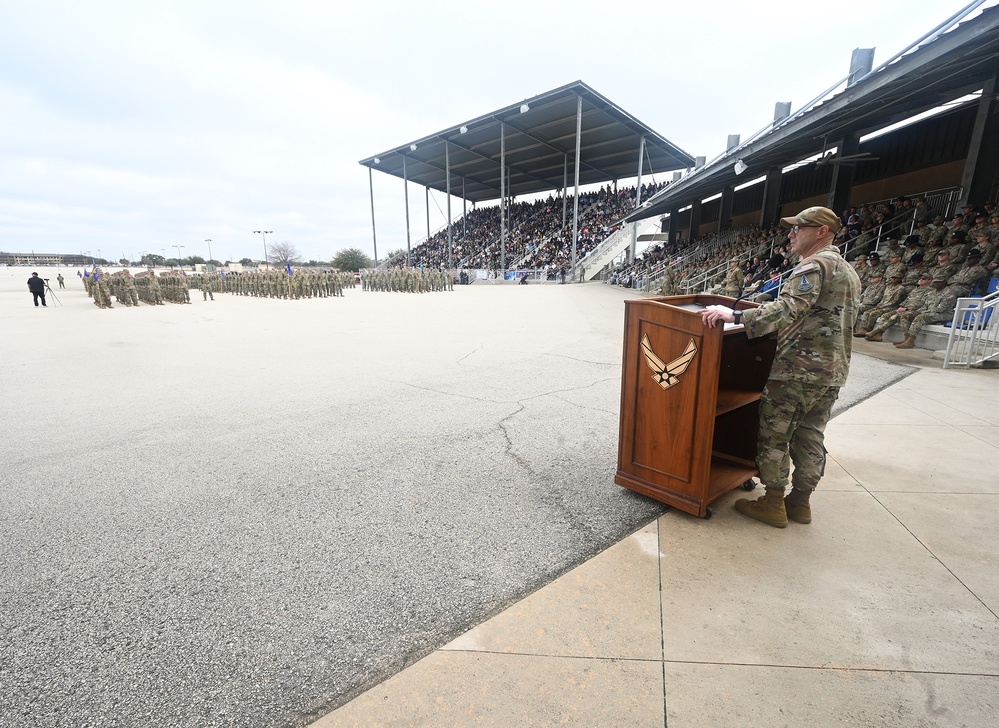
[985, 244]
[891, 297]
[872, 294]
[965, 280]
[937, 308]
[945, 265]
[911, 307]
[876, 266]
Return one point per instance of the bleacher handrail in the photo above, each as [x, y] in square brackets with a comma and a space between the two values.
[974, 332]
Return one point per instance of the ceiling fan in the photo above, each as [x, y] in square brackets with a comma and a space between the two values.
[831, 158]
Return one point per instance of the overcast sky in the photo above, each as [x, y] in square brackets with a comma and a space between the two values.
[128, 127]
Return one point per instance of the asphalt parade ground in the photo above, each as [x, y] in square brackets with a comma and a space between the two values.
[249, 511]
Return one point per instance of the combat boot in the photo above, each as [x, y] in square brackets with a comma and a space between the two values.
[768, 508]
[874, 335]
[796, 506]
[908, 343]
[860, 333]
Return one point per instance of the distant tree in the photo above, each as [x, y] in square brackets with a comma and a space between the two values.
[394, 254]
[283, 253]
[123, 261]
[317, 263]
[351, 259]
[172, 262]
[153, 259]
[245, 261]
[194, 260]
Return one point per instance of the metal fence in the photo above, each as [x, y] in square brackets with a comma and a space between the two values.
[974, 332]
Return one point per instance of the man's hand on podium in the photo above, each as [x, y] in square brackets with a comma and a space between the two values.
[713, 314]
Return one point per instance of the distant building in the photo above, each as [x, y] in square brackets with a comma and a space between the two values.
[44, 259]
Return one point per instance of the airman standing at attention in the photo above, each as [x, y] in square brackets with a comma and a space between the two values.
[734, 279]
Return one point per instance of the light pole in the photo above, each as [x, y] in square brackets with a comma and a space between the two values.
[178, 247]
[209, 241]
[264, 234]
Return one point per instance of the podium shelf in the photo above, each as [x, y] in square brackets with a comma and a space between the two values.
[729, 474]
[732, 399]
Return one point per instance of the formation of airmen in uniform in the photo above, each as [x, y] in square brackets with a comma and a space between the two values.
[407, 280]
[129, 290]
[302, 283]
[175, 286]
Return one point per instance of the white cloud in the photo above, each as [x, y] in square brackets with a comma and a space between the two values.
[169, 124]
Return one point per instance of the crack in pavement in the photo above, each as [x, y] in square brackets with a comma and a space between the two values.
[508, 450]
[584, 361]
[473, 352]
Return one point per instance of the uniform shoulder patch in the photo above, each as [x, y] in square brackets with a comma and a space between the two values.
[805, 284]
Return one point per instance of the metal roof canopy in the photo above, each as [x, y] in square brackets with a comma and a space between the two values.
[951, 65]
[539, 135]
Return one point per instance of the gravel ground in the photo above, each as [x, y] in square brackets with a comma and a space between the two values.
[245, 512]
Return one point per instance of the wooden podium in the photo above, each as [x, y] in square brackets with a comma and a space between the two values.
[689, 402]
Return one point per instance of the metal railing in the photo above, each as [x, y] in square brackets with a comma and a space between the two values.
[974, 332]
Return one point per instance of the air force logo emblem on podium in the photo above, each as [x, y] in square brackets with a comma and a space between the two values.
[666, 375]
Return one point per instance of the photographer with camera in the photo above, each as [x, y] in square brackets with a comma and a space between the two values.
[37, 287]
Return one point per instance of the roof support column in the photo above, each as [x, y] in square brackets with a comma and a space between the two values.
[464, 215]
[632, 251]
[983, 152]
[842, 175]
[503, 199]
[427, 188]
[405, 189]
[695, 220]
[674, 228]
[575, 202]
[725, 213]
[450, 241]
[371, 194]
[771, 198]
[565, 192]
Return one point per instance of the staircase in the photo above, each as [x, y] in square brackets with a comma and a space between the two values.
[615, 244]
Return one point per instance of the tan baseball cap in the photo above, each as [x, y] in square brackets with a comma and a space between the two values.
[814, 217]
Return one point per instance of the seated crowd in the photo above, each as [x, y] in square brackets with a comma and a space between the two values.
[913, 264]
[917, 281]
[536, 237]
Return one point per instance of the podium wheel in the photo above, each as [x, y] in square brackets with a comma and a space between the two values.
[708, 513]
[749, 485]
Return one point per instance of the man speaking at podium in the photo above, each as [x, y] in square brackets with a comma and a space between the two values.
[814, 318]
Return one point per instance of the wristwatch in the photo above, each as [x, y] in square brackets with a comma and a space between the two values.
[738, 317]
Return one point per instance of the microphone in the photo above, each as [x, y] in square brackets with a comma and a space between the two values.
[776, 261]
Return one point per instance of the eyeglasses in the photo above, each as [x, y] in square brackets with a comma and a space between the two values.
[795, 229]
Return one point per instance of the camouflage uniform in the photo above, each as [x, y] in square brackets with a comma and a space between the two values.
[964, 281]
[912, 304]
[814, 318]
[894, 294]
[938, 307]
[733, 281]
[871, 297]
[669, 287]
